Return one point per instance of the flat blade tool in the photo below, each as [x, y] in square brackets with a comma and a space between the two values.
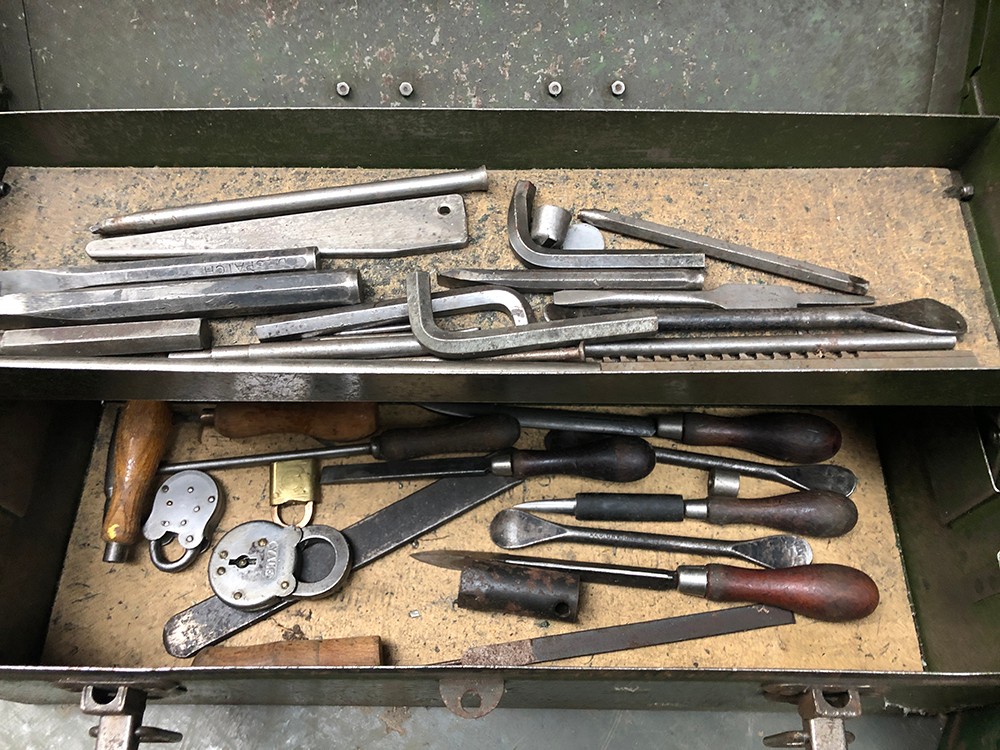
[829, 592]
[741, 255]
[923, 316]
[725, 297]
[614, 459]
[374, 536]
[828, 477]
[224, 297]
[800, 438]
[813, 513]
[108, 339]
[205, 266]
[515, 529]
[623, 637]
[486, 433]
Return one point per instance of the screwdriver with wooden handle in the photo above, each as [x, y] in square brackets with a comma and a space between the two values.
[142, 436]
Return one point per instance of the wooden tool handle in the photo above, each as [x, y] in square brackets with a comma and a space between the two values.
[811, 513]
[485, 434]
[340, 422]
[835, 593]
[361, 651]
[615, 459]
[798, 438]
[141, 439]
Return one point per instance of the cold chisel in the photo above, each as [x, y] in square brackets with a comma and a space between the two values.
[813, 513]
[205, 266]
[834, 593]
[224, 297]
[107, 339]
[800, 438]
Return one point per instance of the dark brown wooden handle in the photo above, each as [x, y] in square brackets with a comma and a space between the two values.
[616, 459]
[798, 438]
[485, 434]
[141, 439]
[811, 513]
[339, 422]
[361, 651]
[835, 593]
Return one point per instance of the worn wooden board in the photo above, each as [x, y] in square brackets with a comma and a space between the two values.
[895, 227]
[113, 615]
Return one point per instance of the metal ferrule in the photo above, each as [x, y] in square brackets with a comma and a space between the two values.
[697, 509]
[502, 466]
[692, 579]
[670, 426]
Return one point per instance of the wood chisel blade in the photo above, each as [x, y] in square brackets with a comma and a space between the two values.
[211, 621]
[624, 637]
[405, 227]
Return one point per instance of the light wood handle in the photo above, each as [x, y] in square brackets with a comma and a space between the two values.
[141, 439]
[360, 651]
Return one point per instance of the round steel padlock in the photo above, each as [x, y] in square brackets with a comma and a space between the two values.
[254, 565]
[314, 539]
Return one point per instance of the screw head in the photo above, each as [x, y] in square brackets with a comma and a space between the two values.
[343, 88]
[405, 88]
[618, 88]
[966, 192]
[554, 88]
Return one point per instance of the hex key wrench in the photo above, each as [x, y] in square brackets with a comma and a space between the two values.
[450, 301]
[741, 255]
[533, 254]
[484, 343]
[515, 529]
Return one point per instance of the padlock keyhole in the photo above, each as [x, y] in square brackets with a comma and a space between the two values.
[243, 561]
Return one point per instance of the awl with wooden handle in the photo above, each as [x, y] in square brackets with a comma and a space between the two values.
[141, 438]
[794, 437]
[811, 513]
[834, 593]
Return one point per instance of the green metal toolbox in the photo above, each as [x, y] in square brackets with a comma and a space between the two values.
[867, 135]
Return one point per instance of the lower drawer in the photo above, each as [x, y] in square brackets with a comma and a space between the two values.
[927, 647]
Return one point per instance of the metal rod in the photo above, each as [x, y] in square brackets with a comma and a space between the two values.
[108, 339]
[295, 202]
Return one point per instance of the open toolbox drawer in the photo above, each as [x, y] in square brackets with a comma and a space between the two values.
[866, 193]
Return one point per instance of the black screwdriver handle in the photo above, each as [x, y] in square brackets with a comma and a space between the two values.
[615, 459]
[612, 506]
[484, 434]
[811, 513]
[797, 438]
[835, 593]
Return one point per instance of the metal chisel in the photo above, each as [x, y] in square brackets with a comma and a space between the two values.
[157, 271]
[834, 593]
[225, 297]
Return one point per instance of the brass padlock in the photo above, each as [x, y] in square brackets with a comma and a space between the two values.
[293, 483]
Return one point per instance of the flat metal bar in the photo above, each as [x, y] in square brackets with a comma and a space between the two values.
[380, 230]
[782, 344]
[430, 138]
[108, 339]
[541, 280]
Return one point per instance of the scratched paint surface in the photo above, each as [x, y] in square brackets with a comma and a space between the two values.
[857, 56]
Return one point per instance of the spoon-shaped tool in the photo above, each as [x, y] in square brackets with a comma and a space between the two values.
[514, 529]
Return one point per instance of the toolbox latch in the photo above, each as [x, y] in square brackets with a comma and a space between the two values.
[120, 725]
[823, 711]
